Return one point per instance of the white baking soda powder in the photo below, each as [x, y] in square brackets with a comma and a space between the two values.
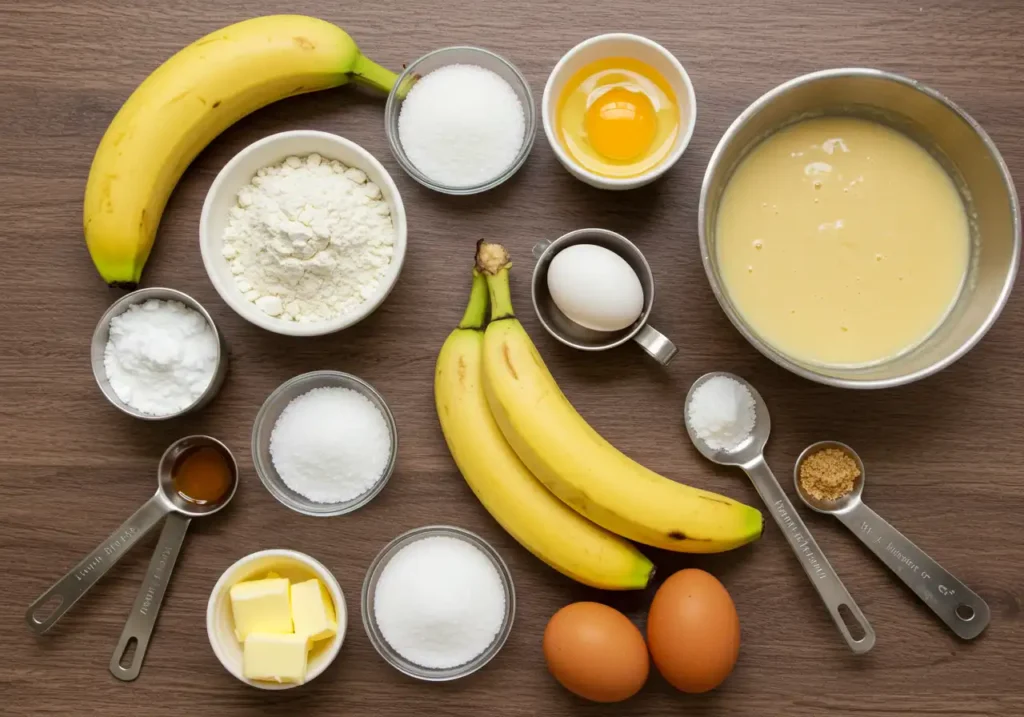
[160, 356]
[439, 602]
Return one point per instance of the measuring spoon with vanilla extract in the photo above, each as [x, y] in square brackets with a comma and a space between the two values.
[960, 608]
[169, 501]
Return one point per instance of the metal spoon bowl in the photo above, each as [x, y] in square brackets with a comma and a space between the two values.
[959, 607]
[749, 455]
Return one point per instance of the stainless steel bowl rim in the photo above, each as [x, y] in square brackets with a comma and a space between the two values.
[530, 112]
[719, 291]
[137, 297]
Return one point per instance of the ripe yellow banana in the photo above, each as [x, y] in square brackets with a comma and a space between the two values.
[543, 524]
[185, 104]
[575, 462]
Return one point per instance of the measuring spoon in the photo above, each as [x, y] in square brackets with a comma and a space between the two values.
[55, 602]
[125, 664]
[963, 610]
[749, 456]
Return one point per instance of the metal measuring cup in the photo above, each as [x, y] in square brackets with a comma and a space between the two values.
[963, 610]
[579, 337]
[55, 602]
[749, 456]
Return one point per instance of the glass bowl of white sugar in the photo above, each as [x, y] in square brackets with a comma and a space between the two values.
[460, 120]
[324, 443]
[438, 603]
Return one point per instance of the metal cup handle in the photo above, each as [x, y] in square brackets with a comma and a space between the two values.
[656, 344]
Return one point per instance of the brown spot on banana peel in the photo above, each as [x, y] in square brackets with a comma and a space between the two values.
[462, 371]
[508, 361]
[216, 104]
[723, 501]
[304, 43]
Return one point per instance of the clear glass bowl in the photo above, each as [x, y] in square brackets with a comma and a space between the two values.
[264, 426]
[377, 638]
[461, 55]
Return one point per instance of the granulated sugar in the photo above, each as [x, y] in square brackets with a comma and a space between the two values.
[330, 445]
[721, 413]
[439, 602]
[461, 125]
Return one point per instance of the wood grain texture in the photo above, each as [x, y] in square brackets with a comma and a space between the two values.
[944, 455]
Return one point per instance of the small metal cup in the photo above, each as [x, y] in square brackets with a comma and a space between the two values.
[572, 334]
[102, 334]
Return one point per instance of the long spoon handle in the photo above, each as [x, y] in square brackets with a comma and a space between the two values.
[962, 609]
[831, 589]
[52, 604]
[126, 664]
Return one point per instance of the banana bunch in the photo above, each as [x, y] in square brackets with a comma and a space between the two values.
[543, 473]
[184, 104]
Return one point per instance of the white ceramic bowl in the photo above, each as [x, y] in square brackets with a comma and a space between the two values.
[239, 172]
[619, 45]
[220, 627]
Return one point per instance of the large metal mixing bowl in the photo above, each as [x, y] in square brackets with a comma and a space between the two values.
[955, 139]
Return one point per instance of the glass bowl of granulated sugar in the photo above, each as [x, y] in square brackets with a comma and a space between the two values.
[324, 443]
[460, 120]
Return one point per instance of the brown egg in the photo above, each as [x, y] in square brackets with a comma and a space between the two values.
[595, 652]
[693, 631]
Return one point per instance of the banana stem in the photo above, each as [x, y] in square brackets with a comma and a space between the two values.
[493, 262]
[370, 73]
[476, 313]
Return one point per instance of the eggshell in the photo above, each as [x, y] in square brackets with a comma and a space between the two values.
[595, 287]
[595, 652]
[693, 631]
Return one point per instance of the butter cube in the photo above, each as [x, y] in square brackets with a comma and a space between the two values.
[273, 657]
[261, 606]
[313, 610]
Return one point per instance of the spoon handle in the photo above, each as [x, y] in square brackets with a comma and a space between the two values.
[126, 664]
[962, 609]
[833, 593]
[52, 604]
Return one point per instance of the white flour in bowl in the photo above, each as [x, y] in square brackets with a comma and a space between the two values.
[309, 240]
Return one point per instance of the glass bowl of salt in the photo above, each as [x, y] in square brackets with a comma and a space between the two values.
[332, 436]
[460, 120]
[446, 599]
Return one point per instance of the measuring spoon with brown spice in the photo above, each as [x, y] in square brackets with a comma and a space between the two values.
[829, 468]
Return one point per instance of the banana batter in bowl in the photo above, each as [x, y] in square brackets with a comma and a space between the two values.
[842, 242]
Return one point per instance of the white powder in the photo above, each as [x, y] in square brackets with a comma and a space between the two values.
[439, 602]
[309, 240]
[160, 356]
[721, 413]
[330, 445]
[462, 125]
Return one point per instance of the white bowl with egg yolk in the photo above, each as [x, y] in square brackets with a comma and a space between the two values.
[619, 45]
[295, 566]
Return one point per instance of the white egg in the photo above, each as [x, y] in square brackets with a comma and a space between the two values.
[595, 287]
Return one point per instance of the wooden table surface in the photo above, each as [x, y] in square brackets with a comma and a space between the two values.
[944, 456]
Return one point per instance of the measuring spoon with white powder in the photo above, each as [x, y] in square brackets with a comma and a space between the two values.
[747, 452]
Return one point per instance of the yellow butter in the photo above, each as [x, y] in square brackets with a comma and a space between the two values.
[261, 606]
[313, 610]
[274, 657]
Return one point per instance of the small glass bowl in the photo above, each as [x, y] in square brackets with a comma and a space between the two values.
[460, 55]
[377, 638]
[264, 426]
